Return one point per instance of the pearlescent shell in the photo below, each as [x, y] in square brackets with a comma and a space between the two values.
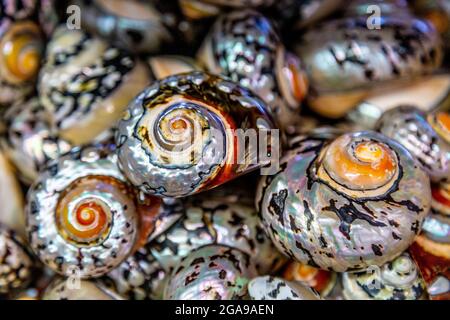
[437, 224]
[345, 60]
[211, 273]
[178, 136]
[15, 262]
[75, 289]
[82, 215]
[137, 26]
[398, 279]
[408, 126]
[208, 222]
[272, 288]
[314, 219]
[86, 84]
[244, 47]
[30, 141]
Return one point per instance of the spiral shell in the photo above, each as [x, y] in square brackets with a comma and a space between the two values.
[137, 26]
[346, 59]
[85, 84]
[244, 47]
[322, 281]
[272, 288]
[431, 147]
[82, 215]
[31, 141]
[437, 224]
[178, 136]
[207, 222]
[396, 280]
[357, 201]
[211, 273]
[16, 263]
[75, 289]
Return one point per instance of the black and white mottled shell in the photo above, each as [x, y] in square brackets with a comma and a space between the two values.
[318, 214]
[76, 289]
[82, 215]
[211, 273]
[398, 279]
[178, 136]
[345, 59]
[31, 141]
[207, 222]
[245, 47]
[85, 83]
[16, 263]
[272, 288]
[409, 126]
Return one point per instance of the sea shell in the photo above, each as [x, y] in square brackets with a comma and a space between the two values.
[76, 289]
[409, 126]
[21, 47]
[16, 264]
[357, 201]
[86, 84]
[437, 224]
[211, 273]
[272, 288]
[138, 26]
[178, 137]
[31, 141]
[396, 280]
[245, 47]
[207, 222]
[82, 215]
[345, 59]
[323, 281]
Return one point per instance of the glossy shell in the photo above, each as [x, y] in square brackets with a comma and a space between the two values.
[409, 126]
[245, 47]
[75, 289]
[345, 59]
[211, 273]
[31, 141]
[437, 224]
[86, 84]
[81, 214]
[357, 201]
[396, 280]
[178, 136]
[271, 288]
[15, 262]
[137, 26]
[218, 222]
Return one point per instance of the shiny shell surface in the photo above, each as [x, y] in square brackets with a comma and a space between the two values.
[178, 136]
[357, 201]
[76, 289]
[272, 288]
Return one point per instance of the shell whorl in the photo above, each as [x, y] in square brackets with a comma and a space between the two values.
[272, 288]
[178, 136]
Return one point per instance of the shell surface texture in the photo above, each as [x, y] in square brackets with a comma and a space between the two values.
[356, 201]
[179, 136]
[272, 288]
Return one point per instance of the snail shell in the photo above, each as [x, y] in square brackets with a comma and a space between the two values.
[409, 126]
[30, 141]
[244, 47]
[272, 288]
[357, 201]
[177, 137]
[396, 280]
[345, 59]
[21, 48]
[86, 84]
[322, 281]
[211, 273]
[75, 289]
[11, 198]
[208, 222]
[137, 26]
[81, 214]
[16, 263]
[437, 224]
